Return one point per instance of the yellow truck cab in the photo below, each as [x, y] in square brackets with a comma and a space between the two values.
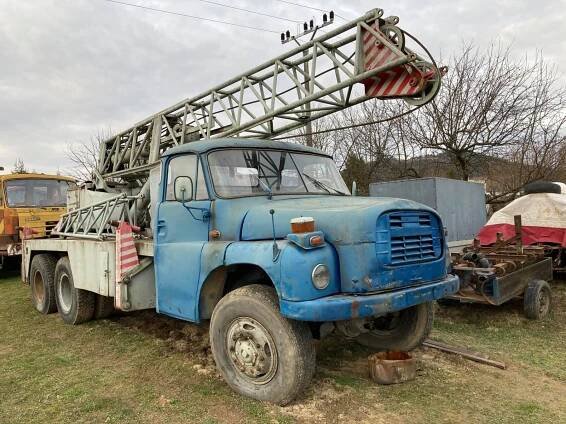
[30, 206]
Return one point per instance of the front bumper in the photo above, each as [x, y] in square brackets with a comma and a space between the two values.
[344, 307]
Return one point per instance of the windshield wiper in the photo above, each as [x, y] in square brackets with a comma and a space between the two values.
[322, 186]
[266, 188]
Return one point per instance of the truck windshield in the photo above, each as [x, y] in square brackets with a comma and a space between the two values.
[252, 172]
[36, 193]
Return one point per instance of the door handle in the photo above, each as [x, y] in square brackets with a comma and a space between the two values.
[161, 228]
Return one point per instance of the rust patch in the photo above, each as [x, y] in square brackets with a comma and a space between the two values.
[355, 309]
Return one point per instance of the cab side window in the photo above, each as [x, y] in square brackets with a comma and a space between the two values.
[189, 166]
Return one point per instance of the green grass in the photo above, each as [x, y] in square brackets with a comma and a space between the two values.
[110, 371]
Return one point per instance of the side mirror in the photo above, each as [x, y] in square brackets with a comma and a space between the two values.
[183, 187]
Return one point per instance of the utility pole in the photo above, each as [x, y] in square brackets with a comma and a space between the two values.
[309, 85]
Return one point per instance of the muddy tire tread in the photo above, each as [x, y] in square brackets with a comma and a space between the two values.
[46, 264]
[301, 342]
[83, 300]
[415, 332]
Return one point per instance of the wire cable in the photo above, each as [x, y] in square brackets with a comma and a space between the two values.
[311, 7]
[347, 127]
[250, 11]
[154, 9]
[379, 121]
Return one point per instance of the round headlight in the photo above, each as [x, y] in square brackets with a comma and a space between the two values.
[320, 276]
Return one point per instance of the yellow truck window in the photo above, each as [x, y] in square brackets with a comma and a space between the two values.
[36, 193]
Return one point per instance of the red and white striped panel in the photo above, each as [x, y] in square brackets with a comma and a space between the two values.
[399, 81]
[126, 254]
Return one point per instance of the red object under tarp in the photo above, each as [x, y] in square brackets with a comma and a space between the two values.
[529, 234]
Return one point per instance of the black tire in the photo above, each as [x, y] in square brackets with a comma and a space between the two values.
[248, 319]
[404, 330]
[103, 306]
[542, 187]
[537, 300]
[42, 283]
[75, 305]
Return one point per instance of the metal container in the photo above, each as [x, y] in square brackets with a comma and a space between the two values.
[461, 204]
[392, 367]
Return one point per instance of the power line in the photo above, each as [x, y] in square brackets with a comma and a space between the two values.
[310, 7]
[153, 9]
[250, 11]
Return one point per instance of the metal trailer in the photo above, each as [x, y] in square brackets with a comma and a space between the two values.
[496, 274]
[170, 228]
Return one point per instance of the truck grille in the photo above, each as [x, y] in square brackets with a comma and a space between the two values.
[413, 237]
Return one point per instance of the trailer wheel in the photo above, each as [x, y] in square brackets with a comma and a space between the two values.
[537, 300]
[260, 353]
[404, 330]
[103, 306]
[75, 305]
[42, 283]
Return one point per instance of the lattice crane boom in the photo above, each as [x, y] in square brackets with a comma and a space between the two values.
[362, 59]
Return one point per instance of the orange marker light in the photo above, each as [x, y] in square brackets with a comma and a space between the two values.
[316, 241]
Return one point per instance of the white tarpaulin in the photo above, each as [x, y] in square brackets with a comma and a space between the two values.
[537, 210]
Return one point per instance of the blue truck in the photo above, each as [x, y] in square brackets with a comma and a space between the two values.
[223, 252]
[198, 212]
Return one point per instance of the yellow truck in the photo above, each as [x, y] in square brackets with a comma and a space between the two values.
[30, 206]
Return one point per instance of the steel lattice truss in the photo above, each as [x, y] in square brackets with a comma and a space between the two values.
[313, 80]
[95, 220]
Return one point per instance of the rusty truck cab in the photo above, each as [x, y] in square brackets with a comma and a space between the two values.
[30, 206]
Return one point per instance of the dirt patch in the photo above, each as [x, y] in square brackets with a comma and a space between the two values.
[179, 336]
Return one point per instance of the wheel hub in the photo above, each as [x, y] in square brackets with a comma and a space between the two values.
[65, 293]
[252, 350]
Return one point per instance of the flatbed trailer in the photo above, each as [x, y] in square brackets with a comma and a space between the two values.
[496, 274]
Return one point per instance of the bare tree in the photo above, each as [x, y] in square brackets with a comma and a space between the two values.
[484, 104]
[539, 151]
[84, 156]
[19, 167]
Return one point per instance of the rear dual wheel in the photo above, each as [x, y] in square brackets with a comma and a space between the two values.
[75, 305]
[42, 283]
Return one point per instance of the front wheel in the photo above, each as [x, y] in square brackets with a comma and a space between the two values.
[260, 353]
[404, 330]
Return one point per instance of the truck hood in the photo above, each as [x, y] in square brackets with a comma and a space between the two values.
[343, 219]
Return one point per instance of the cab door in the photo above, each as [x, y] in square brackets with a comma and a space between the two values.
[181, 230]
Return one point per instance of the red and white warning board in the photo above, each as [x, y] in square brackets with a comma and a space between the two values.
[400, 81]
[126, 254]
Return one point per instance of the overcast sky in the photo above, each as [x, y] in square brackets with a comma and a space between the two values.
[72, 68]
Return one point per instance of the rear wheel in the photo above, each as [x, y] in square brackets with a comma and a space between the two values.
[75, 305]
[260, 353]
[404, 330]
[537, 299]
[42, 283]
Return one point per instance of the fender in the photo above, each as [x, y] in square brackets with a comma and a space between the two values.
[290, 273]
